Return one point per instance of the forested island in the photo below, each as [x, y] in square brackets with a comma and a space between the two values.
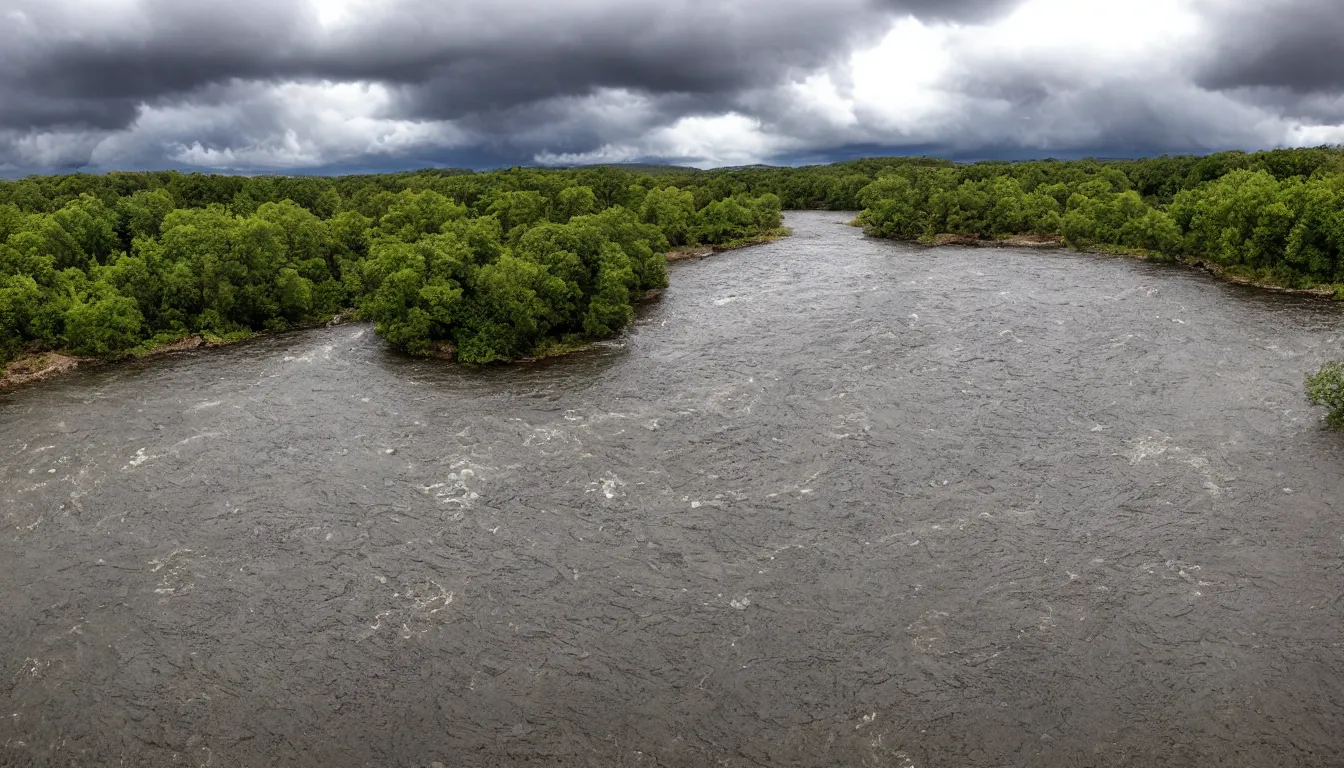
[499, 265]
[485, 266]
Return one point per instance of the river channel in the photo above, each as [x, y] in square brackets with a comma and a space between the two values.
[831, 501]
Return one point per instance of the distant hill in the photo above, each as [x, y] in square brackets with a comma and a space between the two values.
[651, 169]
[755, 167]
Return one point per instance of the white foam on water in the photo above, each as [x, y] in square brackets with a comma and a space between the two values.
[461, 487]
[546, 435]
[610, 486]
[171, 567]
[140, 458]
[1147, 448]
[194, 438]
[1152, 448]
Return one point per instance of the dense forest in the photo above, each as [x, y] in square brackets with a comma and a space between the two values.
[1275, 218]
[488, 266]
[493, 266]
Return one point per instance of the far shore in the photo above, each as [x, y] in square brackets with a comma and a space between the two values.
[1056, 242]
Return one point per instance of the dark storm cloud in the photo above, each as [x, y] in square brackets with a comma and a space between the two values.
[1292, 44]
[956, 10]
[1317, 107]
[62, 65]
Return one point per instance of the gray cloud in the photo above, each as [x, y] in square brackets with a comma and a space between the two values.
[59, 66]
[1292, 44]
[273, 84]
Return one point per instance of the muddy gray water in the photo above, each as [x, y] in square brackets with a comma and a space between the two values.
[832, 502]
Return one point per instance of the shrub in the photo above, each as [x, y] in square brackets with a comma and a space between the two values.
[1326, 388]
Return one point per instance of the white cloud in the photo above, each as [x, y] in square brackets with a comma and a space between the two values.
[703, 142]
[285, 125]
[730, 139]
[897, 84]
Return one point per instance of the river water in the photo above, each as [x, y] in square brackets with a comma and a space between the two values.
[832, 501]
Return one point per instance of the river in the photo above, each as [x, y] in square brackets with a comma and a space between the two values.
[832, 501]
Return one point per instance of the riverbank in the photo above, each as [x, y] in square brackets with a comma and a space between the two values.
[701, 251]
[1056, 242]
[1014, 241]
[39, 366]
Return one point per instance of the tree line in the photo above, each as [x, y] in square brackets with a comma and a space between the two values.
[494, 265]
[1274, 217]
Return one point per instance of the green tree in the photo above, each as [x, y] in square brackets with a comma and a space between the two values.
[517, 211]
[412, 215]
[672, 211]
[893, 208]
[294, 294]
[143, 212]
[609, 310]
[20, 297]
[103, 327]
[305, 235]
[573, 201]
[509, 312]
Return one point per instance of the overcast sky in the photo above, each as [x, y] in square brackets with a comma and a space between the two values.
[330, 85]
